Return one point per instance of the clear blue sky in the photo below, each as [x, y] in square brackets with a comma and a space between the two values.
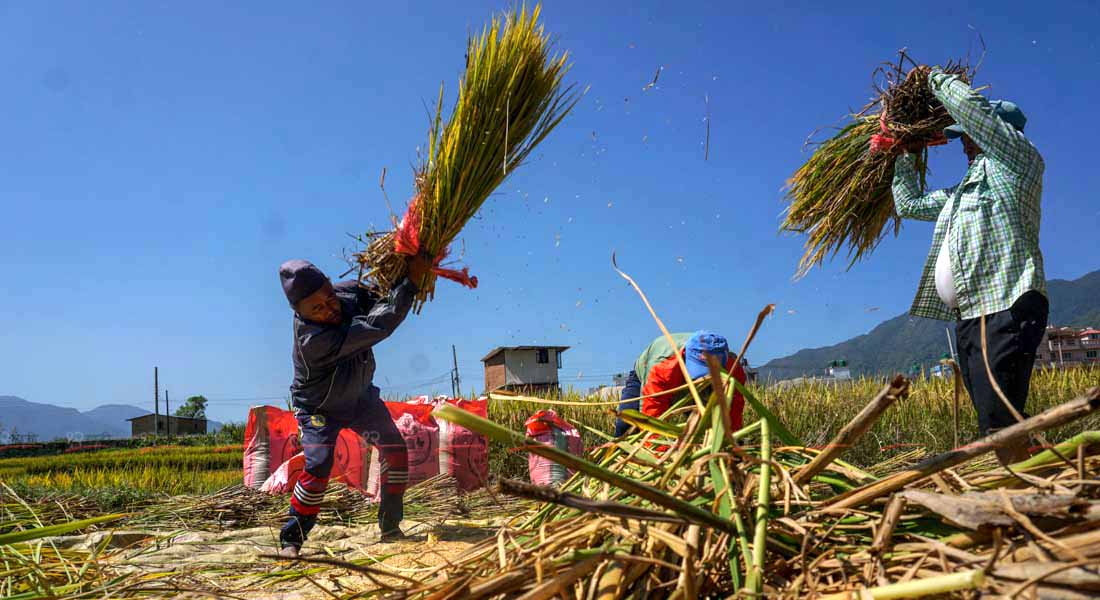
[159, 160]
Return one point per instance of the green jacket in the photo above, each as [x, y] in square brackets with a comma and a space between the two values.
[656, 352]
[993, 213]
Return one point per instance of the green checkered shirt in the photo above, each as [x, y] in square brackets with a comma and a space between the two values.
[992, 216]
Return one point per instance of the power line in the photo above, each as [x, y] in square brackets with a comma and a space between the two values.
[237, 400]
[437, 379]
[401, 386]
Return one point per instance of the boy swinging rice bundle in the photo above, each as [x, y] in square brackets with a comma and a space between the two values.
[510, 98]
[841, 197]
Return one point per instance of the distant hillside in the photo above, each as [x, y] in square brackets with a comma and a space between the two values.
[1090, 319]
[895, 345]
[116, 413]
[49, 422]
[1075, 303]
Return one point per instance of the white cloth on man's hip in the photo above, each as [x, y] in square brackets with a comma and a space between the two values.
[945, 279]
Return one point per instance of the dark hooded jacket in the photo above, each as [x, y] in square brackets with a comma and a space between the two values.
[334, 364]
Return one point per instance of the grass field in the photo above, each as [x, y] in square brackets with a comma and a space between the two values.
[816, 411]
[127, 474]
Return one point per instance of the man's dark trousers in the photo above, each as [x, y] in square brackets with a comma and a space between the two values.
[319, 433]
[632, 390]
[1012, 337]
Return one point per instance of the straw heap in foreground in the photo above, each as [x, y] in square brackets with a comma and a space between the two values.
[688, 511]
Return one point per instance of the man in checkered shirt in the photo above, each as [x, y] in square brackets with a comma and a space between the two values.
[985, 259]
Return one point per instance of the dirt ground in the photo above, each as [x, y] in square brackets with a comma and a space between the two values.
[232, 563]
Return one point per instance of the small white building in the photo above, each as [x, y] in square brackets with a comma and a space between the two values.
[531, 368]
[838, 369]
[941, 370]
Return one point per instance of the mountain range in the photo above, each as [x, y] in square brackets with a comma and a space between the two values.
[897, 344]
[50, 422]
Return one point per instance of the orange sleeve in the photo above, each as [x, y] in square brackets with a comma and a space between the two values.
[664, 376]
[737, 407]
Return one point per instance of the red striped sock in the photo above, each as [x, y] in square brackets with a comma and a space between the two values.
[309, 492]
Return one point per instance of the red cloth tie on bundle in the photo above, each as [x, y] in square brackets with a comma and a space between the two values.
[882, 141]
[407, 241]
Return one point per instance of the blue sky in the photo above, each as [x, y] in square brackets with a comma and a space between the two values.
[159, 160]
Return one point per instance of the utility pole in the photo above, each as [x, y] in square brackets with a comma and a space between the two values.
[156, 404]
[950, 348]
[456, 383]
[167, 416]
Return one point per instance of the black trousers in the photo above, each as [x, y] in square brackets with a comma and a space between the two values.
[1012, 336]
[319, 435]
[632, 390]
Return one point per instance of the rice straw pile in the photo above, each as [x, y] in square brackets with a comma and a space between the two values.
[698, 510]
[510, 98]
[841, 197]
[754, 513]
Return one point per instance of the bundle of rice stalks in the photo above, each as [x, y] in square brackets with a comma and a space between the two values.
[841, 196]
[510, 98]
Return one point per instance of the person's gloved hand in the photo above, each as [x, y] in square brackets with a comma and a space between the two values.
[914, 147]
[418, 267]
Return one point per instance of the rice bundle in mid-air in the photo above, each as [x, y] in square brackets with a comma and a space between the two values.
[510, 98]
[841, 197]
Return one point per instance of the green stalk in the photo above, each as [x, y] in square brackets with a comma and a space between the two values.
[854, 469]
[697, 435]
[739, 545]
[642, 455]
[763, 500]
[723, 490]
[747, 430]
[598, 433]
[1066, 448]
[54, 530]
[492, 430]
[647, 423]
[1048, 456]
[835, 482]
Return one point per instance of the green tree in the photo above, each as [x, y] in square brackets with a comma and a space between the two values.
[232, 433]
[194, 407]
